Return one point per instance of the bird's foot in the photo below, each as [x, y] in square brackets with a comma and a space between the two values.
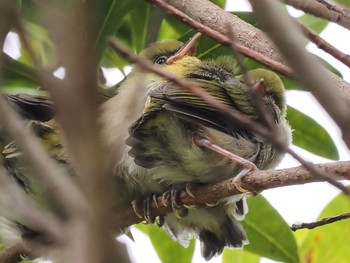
[173, 195]
[142, 209]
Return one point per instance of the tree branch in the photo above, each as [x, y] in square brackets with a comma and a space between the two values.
[322, 222]
[255, 181]
[324, 45]
[318, 9]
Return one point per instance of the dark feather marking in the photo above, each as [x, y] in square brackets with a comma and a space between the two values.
[31, 107]
[233, 235]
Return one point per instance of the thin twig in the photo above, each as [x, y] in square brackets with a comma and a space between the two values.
[330, 178]
[309, 71]
[15, 205]
[257, 98]
[324, 45]
[322, 222]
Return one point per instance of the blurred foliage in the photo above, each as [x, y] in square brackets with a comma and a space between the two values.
[168, 250]
[136, 24]
[343, 2]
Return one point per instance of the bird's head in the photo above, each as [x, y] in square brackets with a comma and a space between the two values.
[174, 55]
[179, 58]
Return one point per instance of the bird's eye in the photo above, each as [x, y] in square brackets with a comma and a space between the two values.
[161, 60]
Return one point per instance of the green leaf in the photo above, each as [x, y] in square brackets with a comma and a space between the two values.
[138, 21]
[106, 17]
[247, 17]
[220, 3]
[315, 23]
[172, 28]
[329, 243]
[311, 136]
[343, 2]
[239, 256]
[18, 74]
[168, 250]
[269, 235]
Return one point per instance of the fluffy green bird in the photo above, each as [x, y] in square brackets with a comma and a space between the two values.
[161, 124]
[152, 130]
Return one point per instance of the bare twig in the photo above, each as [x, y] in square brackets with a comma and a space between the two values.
[333, 6]
[318, 9]
[330, 178]
[322, 222]
[324, 45]
[259, 104]
[15, 205]
[308, 70]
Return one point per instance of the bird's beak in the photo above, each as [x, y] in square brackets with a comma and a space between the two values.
[187, 49]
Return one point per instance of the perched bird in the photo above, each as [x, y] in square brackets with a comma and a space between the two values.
[152, 129]
[161, 124]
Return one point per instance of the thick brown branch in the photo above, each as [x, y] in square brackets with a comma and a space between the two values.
[318, 9]
[255, 181]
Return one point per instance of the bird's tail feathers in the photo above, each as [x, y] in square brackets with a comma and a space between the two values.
[232, 235]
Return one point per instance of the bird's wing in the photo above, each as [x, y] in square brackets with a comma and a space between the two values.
[50, 139]
[194, 109]
[31, 107]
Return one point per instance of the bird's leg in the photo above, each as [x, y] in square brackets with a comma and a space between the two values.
[204, 142]
[248, 165]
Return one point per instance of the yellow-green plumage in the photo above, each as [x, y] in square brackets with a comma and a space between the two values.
[162, 153]
[148, 130]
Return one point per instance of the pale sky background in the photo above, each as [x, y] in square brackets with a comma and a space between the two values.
[294, 203]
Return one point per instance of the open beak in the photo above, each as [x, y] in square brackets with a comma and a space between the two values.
[187, 49]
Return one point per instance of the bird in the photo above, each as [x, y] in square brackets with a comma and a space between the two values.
[160, 126]
[152, 131]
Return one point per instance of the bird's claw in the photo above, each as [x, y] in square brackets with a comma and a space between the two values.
[173, 195]
[145, 214]
[237, 181]
[136, 208]
[188, 188]
[211, 204]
